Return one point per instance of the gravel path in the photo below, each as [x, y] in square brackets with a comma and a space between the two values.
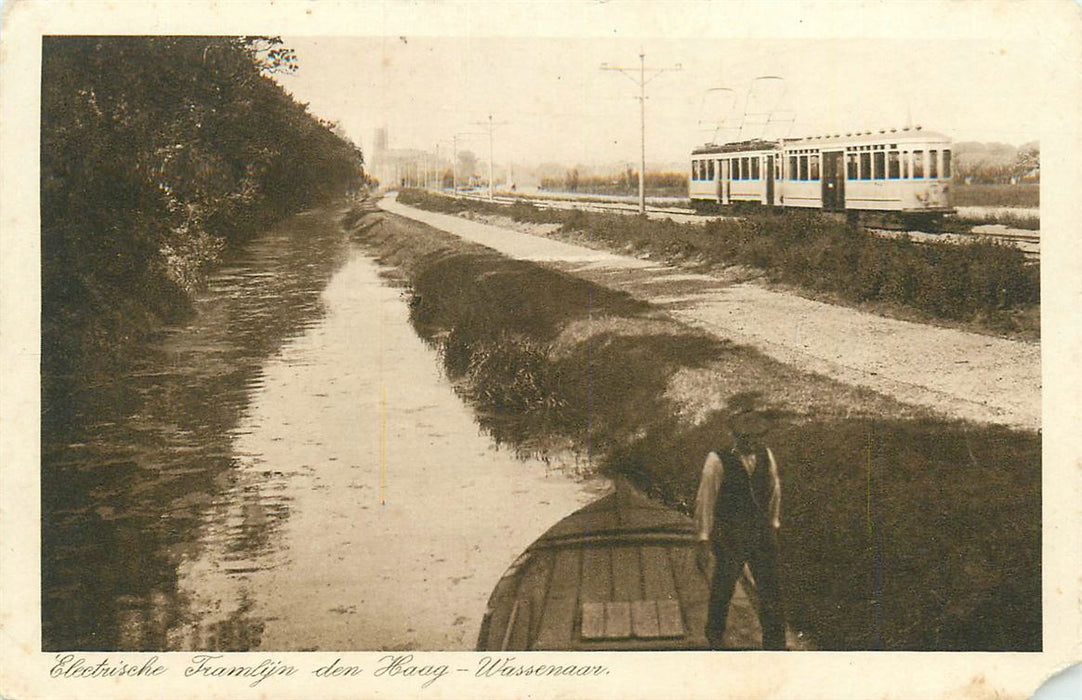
[966, 375]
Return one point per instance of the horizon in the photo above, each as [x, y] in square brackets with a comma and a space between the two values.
[552, 102]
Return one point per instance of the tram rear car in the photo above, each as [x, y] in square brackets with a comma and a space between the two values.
[903, 173]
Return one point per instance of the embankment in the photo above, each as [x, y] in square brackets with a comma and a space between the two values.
[900, 530]
[981, 286]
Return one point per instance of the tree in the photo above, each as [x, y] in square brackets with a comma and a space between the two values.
[571, 180]
[1028, 160]
[156, 154]
[467, 165]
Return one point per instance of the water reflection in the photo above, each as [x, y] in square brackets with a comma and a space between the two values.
[289, 471]
[132, 463]
[402, 514]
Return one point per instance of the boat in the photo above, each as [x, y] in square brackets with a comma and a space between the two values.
[618, 574]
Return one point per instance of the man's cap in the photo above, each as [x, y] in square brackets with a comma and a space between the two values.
[749, 425]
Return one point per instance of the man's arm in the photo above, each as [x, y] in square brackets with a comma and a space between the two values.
[707, 497]
[775, 491]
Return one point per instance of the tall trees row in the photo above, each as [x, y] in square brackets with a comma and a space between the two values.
[156, 154]
[997, 163]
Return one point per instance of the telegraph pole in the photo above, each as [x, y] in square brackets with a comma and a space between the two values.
[641, 81]
[491, 126]
[454, 165]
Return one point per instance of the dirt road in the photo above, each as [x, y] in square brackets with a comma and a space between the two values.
[956, 373]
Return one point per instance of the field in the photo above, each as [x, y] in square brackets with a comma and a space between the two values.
[1026, 196]
[901, 530]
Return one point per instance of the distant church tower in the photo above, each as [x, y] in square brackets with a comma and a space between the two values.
[380, 166]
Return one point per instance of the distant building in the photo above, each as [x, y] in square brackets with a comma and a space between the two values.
[408, 167]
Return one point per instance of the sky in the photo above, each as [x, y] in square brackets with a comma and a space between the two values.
[552, 102]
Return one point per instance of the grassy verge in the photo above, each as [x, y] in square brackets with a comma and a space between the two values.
[1005, 218]
[901, 531]
[1027, 195]
[985, 284]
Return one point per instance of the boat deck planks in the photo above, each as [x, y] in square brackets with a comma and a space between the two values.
[596, 575]
[561, 601]
[657, 574]
[616, 574]
[626, 574]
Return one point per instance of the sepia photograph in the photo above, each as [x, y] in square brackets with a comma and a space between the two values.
[372, 351]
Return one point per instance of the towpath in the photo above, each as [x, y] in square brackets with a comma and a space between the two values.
[956, 373]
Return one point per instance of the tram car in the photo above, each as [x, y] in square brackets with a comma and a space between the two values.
[903, 173]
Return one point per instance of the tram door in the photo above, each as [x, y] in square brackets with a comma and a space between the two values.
[723, 181]
[833, 181]
[770, 181]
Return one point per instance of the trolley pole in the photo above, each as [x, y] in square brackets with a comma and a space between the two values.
[641, 81]
[642, 133]
[491, 126]
[454, 165]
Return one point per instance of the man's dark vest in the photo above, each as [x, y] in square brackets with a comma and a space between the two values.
[743, 504]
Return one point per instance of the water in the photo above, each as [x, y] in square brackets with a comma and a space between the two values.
[289, 471]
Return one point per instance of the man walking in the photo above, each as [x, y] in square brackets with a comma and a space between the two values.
[737, 514]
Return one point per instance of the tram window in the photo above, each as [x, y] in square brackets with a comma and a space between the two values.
[918, 165]
[933, 164]
[745, 169]
[865, 166]
[709, 170]
[777, 168]
[755, 168]
[946, 164]
[813, 166]
[792, 168]
[851, 166]
[893, 165]
[734, 169]
[803, 167]
[905, 165]
[879, 159]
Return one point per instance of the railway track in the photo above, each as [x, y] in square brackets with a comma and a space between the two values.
[585, 205]
[1029, 242]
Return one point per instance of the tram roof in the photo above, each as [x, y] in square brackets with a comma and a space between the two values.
[863, 137]
[737, 146]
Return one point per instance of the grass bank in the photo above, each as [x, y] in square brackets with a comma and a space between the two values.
[1025, 195]
[985, 284]
[1002, 217]
[901, 530]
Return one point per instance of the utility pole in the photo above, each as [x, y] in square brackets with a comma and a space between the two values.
[641, 81]
[438, 175]
[491, 128]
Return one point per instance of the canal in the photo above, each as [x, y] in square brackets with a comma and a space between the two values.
[288, 470]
